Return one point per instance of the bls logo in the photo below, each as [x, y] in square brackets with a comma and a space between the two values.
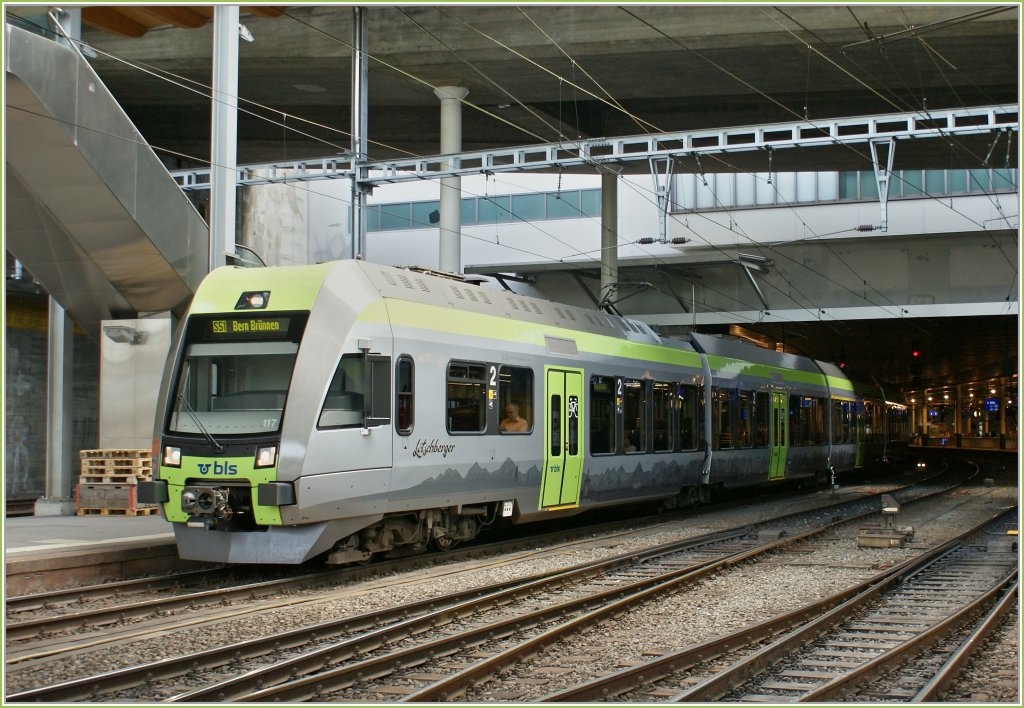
[218, 468]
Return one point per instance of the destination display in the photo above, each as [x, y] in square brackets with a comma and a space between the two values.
[231, 328]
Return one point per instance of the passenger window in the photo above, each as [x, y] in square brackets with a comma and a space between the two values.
[404, 379]
[634, 413]
[762, 409]
[515, 396]
[466, 410]
[556, 426]
[602, 415]
[744, 437]
[724, 418]
[359, 394]
[689, 416]
[664, 430]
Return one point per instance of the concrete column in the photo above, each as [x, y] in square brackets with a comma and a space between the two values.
[609, 235]
[450, 255]
[60, 467]
[360, 120]
[224, 134]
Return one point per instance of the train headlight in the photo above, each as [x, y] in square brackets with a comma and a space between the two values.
[266, 456]
[172, 456]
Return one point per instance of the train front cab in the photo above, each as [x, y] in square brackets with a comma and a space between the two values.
[232, 440]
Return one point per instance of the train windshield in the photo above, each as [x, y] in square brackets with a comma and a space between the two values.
[234, 375]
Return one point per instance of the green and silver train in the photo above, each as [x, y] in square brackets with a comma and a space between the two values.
[349, 409]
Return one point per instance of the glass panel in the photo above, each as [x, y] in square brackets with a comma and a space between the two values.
[828, 186]
[528, 207]
[564, 206]
[744, 424]
[235, 374]
[913, 183]
[724, 190]
[725, 416]
[467, 397]
[1003, 179]
[404, 404]
[745, 189]
[591, 202]
[705, 194]
[345, 405]
[935, 181]
[785, 183]
[849, 185]
[689, 420]
[469, 211]
[373, 218]
[868, 185]
[394, 216]
[515, 394]
[574, 426]
[981, 181]
[602, 415]
[765, 188]
[762, 408]
[664, 437]
[634, 432]
[425, 214]
[957, 181]
[492, 210]
[806, 186]
[796, 422]
[556, 426]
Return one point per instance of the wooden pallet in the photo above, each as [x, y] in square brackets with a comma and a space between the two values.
[97, 477]
[108, 453]
[106, 463]
[138, 511]
[116, 462]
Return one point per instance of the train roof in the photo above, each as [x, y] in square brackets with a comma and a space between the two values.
[444, 290]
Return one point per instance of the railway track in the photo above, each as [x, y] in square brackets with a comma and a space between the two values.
[841, 646]
[327, 660]
[51, 613]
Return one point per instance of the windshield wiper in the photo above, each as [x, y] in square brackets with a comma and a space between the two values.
[217, 447]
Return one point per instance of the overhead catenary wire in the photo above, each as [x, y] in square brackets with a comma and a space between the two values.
[780, 104]
[616, 104]
[634, 188]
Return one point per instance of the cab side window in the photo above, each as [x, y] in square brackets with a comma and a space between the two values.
[359, 394]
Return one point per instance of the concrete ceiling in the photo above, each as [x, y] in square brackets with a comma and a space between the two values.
[538, 73]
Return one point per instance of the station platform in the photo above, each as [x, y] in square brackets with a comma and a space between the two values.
[49, 552]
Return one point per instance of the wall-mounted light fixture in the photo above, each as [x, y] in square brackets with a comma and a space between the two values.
[122, 334]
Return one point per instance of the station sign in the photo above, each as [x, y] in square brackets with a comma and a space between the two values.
[992, 404]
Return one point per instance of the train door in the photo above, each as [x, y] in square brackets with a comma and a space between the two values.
[779, 435]
[563, 438]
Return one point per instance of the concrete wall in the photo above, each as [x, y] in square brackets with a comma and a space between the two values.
[25, 359]
[130, 383]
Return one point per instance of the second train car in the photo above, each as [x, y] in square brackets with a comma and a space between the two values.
[348, 409]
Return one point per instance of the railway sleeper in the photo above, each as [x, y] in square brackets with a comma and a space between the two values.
[411, 533]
